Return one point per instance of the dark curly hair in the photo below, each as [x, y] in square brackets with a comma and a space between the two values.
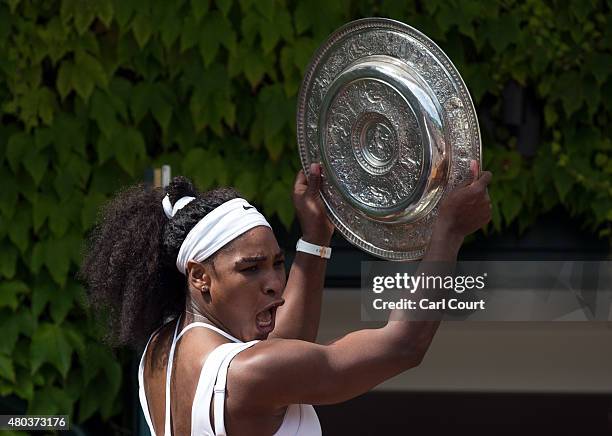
[129, 268]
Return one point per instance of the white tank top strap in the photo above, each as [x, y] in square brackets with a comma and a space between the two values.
[167, 416]
[208, 326]
[141, 390]
[219, 390]
[200, 409]
[167, 420]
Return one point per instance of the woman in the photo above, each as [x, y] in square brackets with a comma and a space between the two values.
[211, 261]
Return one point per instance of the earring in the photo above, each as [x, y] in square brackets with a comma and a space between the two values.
[205, 289]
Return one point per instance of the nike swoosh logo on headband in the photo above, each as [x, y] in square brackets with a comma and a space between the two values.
[247, 208]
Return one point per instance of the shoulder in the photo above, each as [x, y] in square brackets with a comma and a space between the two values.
[269, 367]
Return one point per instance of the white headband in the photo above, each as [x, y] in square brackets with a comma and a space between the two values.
[220, 226]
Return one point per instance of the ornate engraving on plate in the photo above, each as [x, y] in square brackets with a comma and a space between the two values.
[373, 144]
[393, 123]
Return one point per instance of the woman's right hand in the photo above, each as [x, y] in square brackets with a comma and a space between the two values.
[468, 208]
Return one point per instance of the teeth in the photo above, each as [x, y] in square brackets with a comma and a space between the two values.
[264, 318]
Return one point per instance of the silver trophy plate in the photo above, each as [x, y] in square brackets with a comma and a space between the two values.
[390, 119]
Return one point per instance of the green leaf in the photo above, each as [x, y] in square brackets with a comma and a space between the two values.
[9, 325]
[24, 388]
[70, 134]
[171, 29]
[142, 28]
[91, 207]
[64, 300]
[199, 9]
[123, 12]
[140, 101]
[550, 115]
[216, 30]
[104, 11]
[100, 359]
[19, 232]
[104, 113]
[64, 78]
[8, 261]
[84, 13]
[57, 260]
[10, 291]
[504, 31]
[270, 35]
[189, 36]
[89, 402]
[254, 67]
[8, 197]
[105, 148]
[600, 65]
[129, 148]
[82, 83]
[6, 368]
[162, 111]
[42, 293]
[43, 137]
[224, 6]
[5, 24]
[76, 337]
[265, 8]
[35, 164]
[18, 145]
[50, 345]
[303, 17]
[275, 146]
[569, 89]
[216, 169]
[37, 258]
[103, 396]
[247, 183]
[278, 200]
[58, 219]
[592, 96]
[563, 182]
[50, 400]
[510, 206]
[209, 43]
[87, 73]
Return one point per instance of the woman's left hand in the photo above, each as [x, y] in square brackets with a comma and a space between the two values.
[310, 210]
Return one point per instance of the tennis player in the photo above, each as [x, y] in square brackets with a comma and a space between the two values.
[200, 278]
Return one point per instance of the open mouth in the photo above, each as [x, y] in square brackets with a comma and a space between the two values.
[265, 319]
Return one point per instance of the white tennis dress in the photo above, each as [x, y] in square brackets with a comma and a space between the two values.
[299, 420]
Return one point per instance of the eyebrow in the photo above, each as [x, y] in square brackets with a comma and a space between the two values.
[259, 257]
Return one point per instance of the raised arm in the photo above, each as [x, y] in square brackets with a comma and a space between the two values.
[299, 317]
[276, 373]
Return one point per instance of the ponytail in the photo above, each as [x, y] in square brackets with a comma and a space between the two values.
[129, 268]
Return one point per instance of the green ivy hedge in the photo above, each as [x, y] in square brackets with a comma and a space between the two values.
[95, 91]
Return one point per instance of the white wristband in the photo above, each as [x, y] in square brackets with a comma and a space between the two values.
[313, 249]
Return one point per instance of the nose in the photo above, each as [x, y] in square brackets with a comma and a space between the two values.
[274, 284]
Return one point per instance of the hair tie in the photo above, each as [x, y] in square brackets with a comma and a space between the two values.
[170, 210]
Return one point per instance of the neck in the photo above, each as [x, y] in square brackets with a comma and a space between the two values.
[193, 313]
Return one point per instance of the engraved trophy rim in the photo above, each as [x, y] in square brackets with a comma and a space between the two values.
[374, 229]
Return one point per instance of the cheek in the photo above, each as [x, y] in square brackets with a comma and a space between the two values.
[283, 279]
[241, 292]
